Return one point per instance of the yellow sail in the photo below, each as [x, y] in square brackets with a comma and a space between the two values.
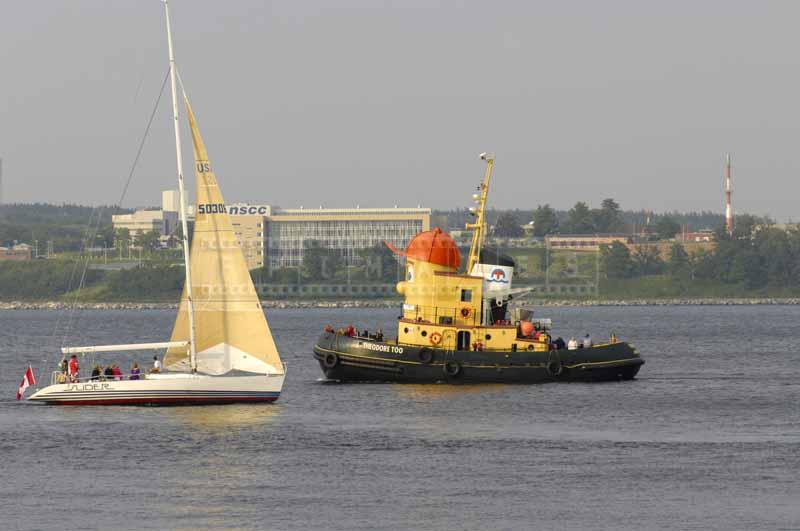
[231, 330]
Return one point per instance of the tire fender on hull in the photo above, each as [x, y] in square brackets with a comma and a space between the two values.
[554, 367]
[451, 368]
[425, 355]
[330, 360]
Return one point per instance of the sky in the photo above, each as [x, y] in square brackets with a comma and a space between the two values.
[338, 104]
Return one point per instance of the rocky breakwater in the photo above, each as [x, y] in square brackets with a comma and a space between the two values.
[743, 301]
[25, 305]
[364, 303]
[393, 303]
[286, 304]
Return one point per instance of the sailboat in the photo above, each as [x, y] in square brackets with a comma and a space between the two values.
[221, 349]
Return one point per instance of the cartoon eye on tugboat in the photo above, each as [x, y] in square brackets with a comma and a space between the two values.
[459, 328]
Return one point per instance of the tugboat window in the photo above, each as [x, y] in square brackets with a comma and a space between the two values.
[466, 295]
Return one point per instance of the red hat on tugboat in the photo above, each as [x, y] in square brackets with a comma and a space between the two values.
[434, 246]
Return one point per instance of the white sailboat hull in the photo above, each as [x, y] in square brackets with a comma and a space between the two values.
[165, 390]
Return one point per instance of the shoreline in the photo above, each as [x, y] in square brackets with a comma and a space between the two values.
[391, 303]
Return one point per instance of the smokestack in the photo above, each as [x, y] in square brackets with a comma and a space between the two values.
[728, 208]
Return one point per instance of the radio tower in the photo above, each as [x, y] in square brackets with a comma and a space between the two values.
[728, 208]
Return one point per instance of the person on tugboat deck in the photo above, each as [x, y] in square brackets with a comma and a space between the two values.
[572, 344]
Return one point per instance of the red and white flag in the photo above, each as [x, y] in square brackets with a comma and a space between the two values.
[27, 381]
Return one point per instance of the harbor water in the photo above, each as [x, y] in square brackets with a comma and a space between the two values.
[707, 436]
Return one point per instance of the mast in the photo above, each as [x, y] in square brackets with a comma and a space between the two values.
[479, 227]
[182, 193]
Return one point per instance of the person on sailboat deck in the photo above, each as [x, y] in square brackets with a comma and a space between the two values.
[109, 373]
[116, 371]
[135, 371]
[350, 332]
[95, 373]
[73, 368]
[156, 365]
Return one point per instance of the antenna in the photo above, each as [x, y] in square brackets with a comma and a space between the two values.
[728, 207]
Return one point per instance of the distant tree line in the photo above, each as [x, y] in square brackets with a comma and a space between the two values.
[73, 227]
[69, 227]
[65, 214]
[325, 264]
[758, 255]
[582, 219]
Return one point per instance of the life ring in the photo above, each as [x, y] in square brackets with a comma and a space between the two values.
[435, 338]
[466, 311]
[425, 355]
[554, 368]
[451, 368]
[330, 360]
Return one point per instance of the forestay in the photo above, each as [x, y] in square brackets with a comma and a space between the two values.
[231, 330]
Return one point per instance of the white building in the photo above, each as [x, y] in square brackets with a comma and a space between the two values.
[163, 222]
[170, 201]
[276, 237]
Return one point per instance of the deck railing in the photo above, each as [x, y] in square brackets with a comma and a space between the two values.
[442, 316]
[59, 377]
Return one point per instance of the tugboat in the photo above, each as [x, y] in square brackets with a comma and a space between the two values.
[460, 328]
